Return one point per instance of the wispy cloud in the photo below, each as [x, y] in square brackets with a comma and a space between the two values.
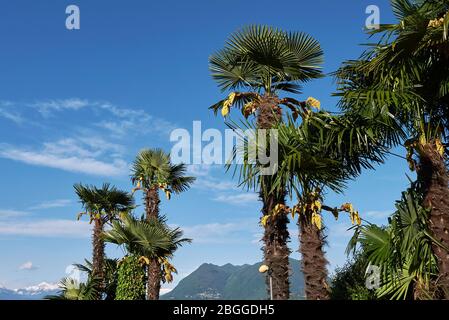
[221, 232]
[7, 113]
[46, 228]
[118, 121]
[66, 155]
[238, 199]
[29, 266]
[47, 107]
[198, 170]
[382, 214]
[59, 203]
[341, 229]
[6, 213]
[214, 184]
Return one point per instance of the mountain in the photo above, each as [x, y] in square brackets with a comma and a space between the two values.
[37, 292]
[229, 282]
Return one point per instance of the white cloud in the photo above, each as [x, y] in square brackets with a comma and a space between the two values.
[379, 214]
[221, 232]
[238, 199]
[7, 113]
[66, 156]
[13, 116]
[27, 266]
[59, 203]
[46, 228]
[122, 121]
[7, 213]
[47, 107]
[131, 121]
[214, 184]
[198, 170]
[341, 229]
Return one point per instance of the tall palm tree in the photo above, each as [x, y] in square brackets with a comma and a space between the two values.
[153, 171]
[264, 62]
[101, 205]
[148, 239]
[321, 152]
[405, 74]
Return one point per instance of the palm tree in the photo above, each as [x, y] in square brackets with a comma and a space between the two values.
[322, 152]
[149, 240]
[71, 289]
[153, 171]
[101, 205]
[404, 74]
[403, 251]
[264, 62]
[110, 275]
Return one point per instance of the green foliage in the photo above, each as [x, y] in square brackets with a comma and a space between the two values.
[402, 250]
[71, 289]
[103, 203]
[152, 238]
[264, 58]
[348, 282]
[264, 61]
[131, 279]
[402, 73]
[153, 168]
[110, 276]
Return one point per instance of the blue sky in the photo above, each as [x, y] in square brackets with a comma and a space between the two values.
[76, 106]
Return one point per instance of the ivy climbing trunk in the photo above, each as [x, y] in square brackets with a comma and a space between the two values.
[98, 256]
[154, 274]
[276, 236]
[313, 261]
[130, 279]
[433, 175]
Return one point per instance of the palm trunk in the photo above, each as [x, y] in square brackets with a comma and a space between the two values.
[98, 256]
[433, 175]
[276, 236]
[313, 260]
[276, 251]
[154, 268]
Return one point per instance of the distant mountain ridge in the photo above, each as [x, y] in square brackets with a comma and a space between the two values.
[229, 282]
[37, 292]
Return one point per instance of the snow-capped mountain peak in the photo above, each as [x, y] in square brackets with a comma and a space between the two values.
[38, 291]
[43, 286]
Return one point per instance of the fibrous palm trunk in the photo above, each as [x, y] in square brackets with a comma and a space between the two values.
[154, 268]
[313, 260]
[276, 236]
[98, 255]
[433, 175]
[276, 251]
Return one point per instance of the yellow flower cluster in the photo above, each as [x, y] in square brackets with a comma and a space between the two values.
[354, 214]
[249, 108]
[440, 147]
[316, 220]
[227, 104]
[314, 207]
[169, 269]
[313, 103]
[435, 23]
[278, 209]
